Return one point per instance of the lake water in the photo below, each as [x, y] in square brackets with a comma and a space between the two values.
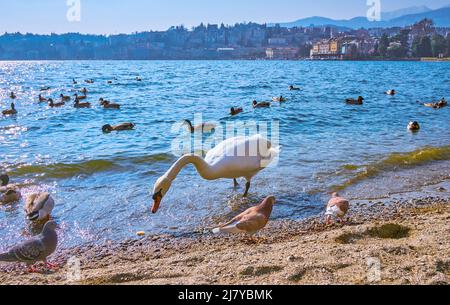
[102, 182]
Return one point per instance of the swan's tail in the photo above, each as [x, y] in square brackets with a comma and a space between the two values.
[216, 230]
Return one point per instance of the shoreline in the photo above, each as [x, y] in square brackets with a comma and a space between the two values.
[287, 252]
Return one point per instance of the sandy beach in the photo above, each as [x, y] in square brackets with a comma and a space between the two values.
[406, 235]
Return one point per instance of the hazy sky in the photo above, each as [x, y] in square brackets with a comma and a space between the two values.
[126, 16]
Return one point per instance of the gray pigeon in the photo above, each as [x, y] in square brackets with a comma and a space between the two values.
[34, 250]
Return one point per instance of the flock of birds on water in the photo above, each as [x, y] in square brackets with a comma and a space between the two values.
[222, 162]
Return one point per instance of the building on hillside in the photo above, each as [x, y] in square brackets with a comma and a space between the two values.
[282, 53]
[327, 49]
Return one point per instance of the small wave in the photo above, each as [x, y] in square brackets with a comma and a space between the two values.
[68, 170]
[395, 161]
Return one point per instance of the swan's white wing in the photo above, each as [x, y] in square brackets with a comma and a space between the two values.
[241, 156]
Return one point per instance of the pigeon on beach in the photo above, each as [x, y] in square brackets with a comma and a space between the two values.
[251, 221]
[34, 250]
[337, 208]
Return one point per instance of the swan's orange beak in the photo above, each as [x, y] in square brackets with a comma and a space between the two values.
[156, 203]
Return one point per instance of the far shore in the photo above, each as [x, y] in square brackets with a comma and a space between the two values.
[426, 59]
[398, 240]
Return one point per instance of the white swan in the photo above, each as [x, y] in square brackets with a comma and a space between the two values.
[240, 157]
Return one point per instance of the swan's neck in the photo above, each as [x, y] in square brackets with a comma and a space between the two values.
[202, 167]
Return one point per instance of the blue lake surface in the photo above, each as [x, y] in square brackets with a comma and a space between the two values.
[102, 182]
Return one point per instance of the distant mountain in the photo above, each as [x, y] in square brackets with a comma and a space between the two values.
[441, 18]
[386, 16]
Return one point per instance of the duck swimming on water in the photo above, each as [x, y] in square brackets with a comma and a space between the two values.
[121, 127]
[13, 96]
[77, 104]
[52, 104]
[352, 101]
[42, 99]
[414, 126]
[108, 105]
[279, 99]
[391, 92]
[292, 88]
[11, 111]
[261, 104]
[205, 127]
[235, 110]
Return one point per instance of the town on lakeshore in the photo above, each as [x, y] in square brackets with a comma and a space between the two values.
[421, 40]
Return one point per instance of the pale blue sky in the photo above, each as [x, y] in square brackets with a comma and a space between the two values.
[126, 16]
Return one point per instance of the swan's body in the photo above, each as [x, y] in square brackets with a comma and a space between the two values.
[39, 207]
[240, 157]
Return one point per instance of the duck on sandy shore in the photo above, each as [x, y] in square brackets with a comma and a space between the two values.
[77, 104]
[108, 105]
[337, 207]
[352, 101]
[414, 126]
[251, 221]
[260, 104]
[11, 111]
[39, 206]
[292, 88]
[52, 104]
[121, 127]
[236, 110]
[204, 127]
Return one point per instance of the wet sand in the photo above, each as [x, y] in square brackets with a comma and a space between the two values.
[407, 235]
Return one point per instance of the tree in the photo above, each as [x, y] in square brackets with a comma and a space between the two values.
[447, 53]
[383, 45]
[397, 51]
[438, 45]
[422, 47]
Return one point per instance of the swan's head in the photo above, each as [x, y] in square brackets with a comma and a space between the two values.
[160, 189]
